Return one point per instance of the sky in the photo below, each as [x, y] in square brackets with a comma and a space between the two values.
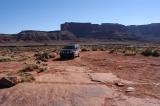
[47, 15]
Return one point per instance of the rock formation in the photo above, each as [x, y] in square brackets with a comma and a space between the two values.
[74, 31]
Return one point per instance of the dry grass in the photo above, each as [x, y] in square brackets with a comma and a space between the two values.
[130, 53]
[5, 59]
[85, 49]
[29, 68]
[44, 56]
[26, 77]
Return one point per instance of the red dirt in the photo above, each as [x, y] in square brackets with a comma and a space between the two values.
[70, 82]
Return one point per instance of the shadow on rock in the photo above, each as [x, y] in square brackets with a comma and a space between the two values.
[7, 82]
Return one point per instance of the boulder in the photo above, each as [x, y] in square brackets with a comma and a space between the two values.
[8, 81]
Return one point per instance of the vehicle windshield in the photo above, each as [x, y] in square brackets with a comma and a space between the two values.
[69, 47]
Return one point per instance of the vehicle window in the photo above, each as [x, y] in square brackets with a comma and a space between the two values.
[69, 47]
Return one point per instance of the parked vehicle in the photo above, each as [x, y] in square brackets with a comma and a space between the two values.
[70, 51]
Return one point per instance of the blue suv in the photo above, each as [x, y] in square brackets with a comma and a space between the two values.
[70, 51]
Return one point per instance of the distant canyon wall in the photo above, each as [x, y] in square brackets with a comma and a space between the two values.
[75, 31]
[88, 30]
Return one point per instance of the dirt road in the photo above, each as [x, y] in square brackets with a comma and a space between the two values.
[94, 79]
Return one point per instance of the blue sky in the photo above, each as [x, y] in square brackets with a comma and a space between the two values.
[47, 15]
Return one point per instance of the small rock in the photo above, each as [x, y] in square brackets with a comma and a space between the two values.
[38, 62]
[45, 64]
[119, 84]
[130, 89]
[45, 60]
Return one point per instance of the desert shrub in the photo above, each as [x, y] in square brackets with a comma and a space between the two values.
[54, 50]
[111, 51]
[102, 49]
[84, 49]
[27, 77]
[43, 56]
[5, 59]
[4, 54]
[130, 53]
[12, 56]
[44, 64]
[41, 69]
[156, 53]
[32, 67]
[22, 59]
[94, 49]
[29, 68]
[124, 51]
[147, 52]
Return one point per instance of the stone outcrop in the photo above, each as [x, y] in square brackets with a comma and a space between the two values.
[37, 36]
[45, 36]
[150, 31]
[113, 31]
[74, 31]
[105, 30]
[7, 38]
